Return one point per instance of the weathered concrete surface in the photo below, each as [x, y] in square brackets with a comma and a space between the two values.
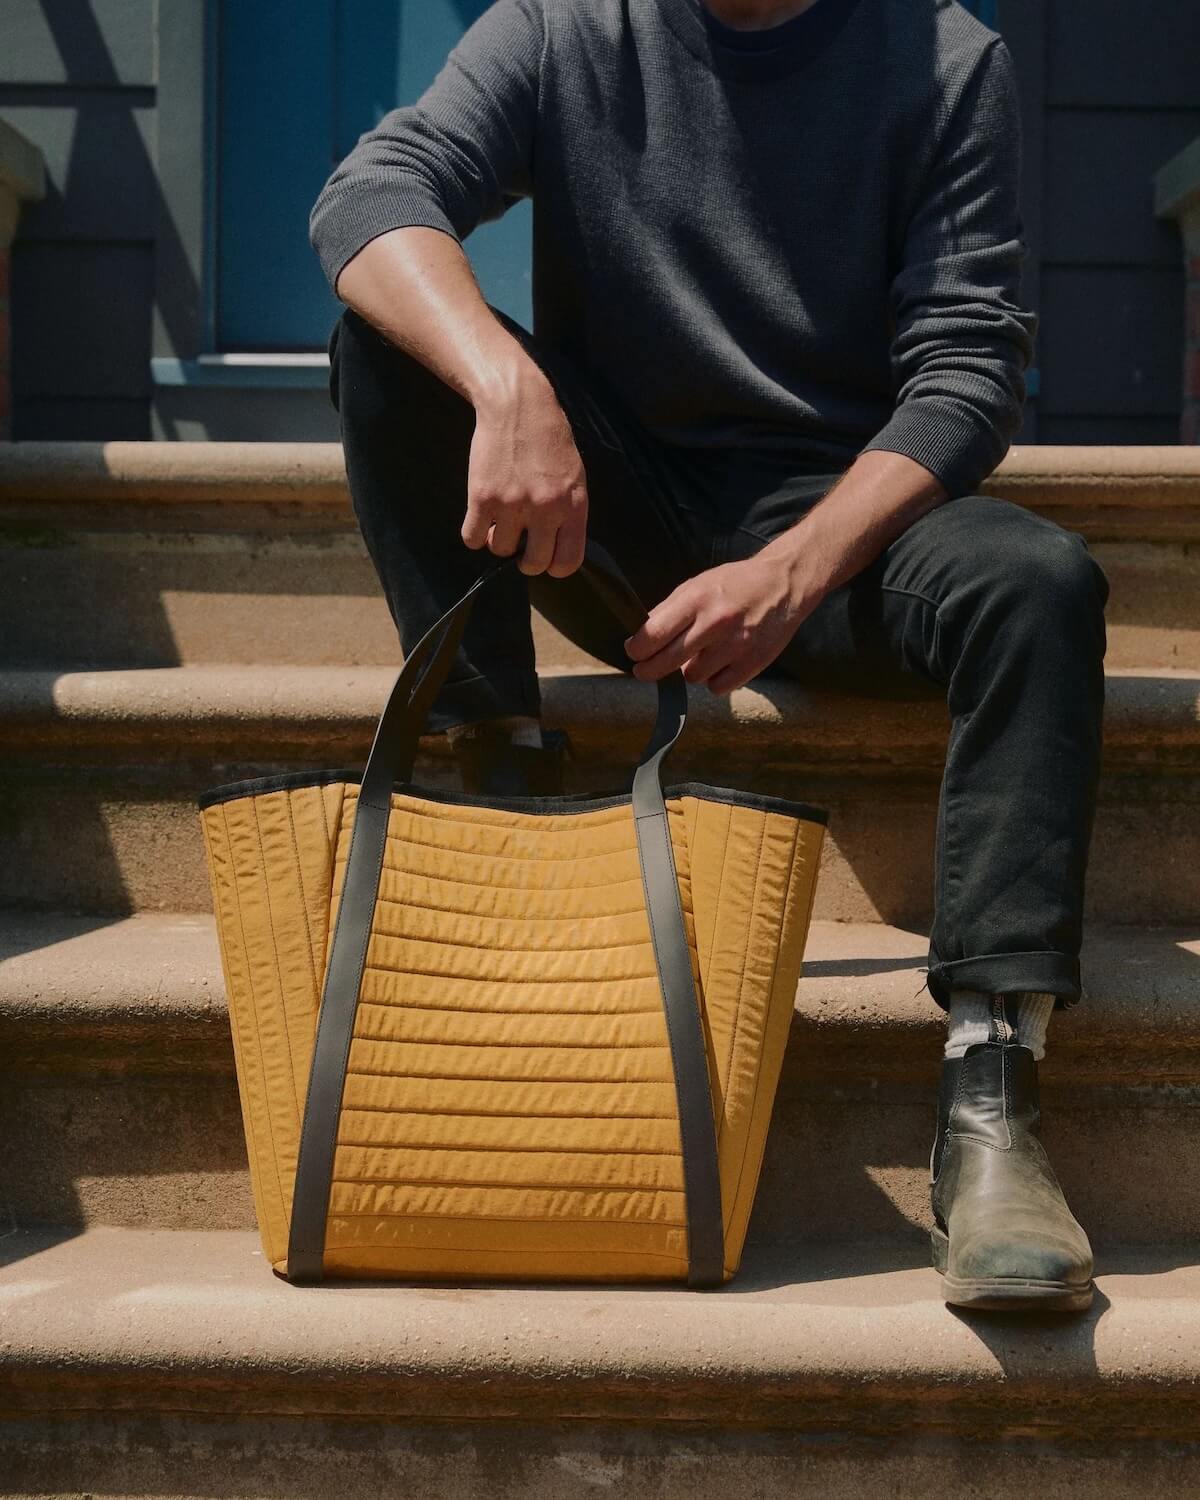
[310, 597]
[247, 552]
[252, 714]
[128, 838]
[1101, 484]
[117, 1079]
[173, 473]
[145, 994]
[835, 1340]
[127, 1458]
[102, 768]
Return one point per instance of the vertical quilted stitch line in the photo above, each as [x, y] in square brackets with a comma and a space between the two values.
[262, 1066]
[689, 909]
[770, 993]
[230, 885]
[287, 1034]
[737, 1015]
[333, 833]
[312, 958]
[715, 1087]
[716, 926]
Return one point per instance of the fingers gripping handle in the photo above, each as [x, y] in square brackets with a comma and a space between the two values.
[425, 669]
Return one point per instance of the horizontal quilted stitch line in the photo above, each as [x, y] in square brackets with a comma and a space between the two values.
[511, 1186]
[500, 1010]
[499, 1114]
[494, 1078]
[609, 1220]
[575, 979]
[506, 1218]
[507, 1150]
[431, 878]
[589, 817]
[460, 911]
[538, 951]
[405, 1041]
[628, 851]
[439, 1248]
[399, 872]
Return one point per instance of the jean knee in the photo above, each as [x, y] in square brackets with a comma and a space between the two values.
[1041, 573]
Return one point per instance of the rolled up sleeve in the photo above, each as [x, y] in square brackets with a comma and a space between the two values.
[459, 156]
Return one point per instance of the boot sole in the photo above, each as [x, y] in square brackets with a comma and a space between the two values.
[1007, 1293]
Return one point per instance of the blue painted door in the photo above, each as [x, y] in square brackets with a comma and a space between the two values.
[297, 82]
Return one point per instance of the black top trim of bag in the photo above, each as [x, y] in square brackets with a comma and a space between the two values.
[573, 802]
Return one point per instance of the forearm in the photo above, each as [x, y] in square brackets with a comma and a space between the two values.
[875, 501]
[416, 286]
[524, 475]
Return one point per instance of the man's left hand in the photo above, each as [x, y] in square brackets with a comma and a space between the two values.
[725, 625]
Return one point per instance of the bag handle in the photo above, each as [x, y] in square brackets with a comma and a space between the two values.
[390, 761]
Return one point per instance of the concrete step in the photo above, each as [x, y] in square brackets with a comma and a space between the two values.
[118, 1103]
[154, 1364]
[247, 552]
[102, 769]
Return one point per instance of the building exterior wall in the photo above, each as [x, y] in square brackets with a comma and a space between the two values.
[77, 79]
[1112, 90]
[107, 270]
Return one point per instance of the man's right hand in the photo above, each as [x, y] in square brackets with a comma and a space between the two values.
[525, 475]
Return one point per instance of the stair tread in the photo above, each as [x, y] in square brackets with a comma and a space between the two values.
[155, 1318]
[1051, 477]
[282, 708]
[153, 977]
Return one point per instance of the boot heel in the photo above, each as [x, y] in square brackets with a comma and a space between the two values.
[941, 1248]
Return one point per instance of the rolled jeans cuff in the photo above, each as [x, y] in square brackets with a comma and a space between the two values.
[1005, 974]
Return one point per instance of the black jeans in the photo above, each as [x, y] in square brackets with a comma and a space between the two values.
[981, 600]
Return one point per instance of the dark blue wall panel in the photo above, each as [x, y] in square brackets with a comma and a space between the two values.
[297, 85]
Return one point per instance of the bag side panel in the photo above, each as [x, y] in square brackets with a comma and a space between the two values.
[753, 881]
[270, 862]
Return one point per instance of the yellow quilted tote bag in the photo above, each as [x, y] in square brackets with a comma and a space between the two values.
[507, 1039]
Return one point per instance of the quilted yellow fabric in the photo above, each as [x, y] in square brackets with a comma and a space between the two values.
[509, 1107]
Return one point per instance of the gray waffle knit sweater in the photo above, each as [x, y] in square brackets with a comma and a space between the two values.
[812, 245]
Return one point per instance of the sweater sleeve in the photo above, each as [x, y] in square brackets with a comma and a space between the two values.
[961, 341]
[460, 156]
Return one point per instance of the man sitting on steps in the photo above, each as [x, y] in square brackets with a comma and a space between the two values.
[778, 345]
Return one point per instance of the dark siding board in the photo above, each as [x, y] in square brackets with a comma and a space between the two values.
[1109, 342]
[81, 320]
[1101, 164]
[94, 42]
[1118, 53]
[86, 420]
[1106, 430]
[99, 169]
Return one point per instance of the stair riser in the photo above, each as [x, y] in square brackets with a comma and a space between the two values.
[852, 1164]
[143, 599]
[132, 1458]
[129, 840]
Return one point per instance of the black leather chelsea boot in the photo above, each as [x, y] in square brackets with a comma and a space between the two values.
[1003, 1237]
[492, 766]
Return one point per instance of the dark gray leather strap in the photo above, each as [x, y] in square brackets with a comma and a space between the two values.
[390, 761]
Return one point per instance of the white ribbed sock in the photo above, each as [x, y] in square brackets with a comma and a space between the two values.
[970, 1021]
[522, 730]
